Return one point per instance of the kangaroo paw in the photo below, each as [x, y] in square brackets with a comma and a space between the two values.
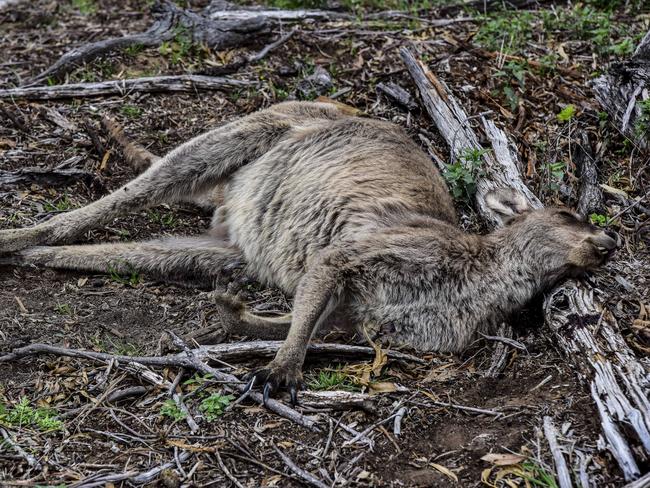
[12, 240]
[273, 377]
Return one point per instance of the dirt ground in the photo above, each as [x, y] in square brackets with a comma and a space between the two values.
[442, 441]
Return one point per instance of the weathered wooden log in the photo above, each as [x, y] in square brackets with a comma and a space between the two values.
[180, 83]
[224, 10]
[170, 21]
[590, 195]
[624, 92]
[583, 329]
[230, 352]
[336, 400]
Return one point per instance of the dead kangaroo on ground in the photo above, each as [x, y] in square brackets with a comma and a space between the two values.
[346, 214]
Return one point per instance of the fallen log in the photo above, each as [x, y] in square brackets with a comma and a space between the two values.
[586, 333]
[229, 352]
[180, 83]
[170, 21]
[624, 92]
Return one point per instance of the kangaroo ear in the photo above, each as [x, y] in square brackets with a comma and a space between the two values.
[506, 203]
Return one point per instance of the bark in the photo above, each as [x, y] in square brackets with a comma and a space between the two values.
[624, 92]
[586, 333]
[180, 83]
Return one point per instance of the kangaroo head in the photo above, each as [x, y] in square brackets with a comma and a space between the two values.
[558, 238]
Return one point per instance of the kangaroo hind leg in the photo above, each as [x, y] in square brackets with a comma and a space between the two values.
[189, 170]
[198, 260]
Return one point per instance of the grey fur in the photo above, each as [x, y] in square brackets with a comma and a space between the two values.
[345, 213]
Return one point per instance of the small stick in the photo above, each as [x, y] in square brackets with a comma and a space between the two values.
[564, 477]
[31, 460]
[225, 470]
[270, 47]
[505, 340]
[642, 482]
[458, 407]
[307, 477]
[397, 425]
[499, 354]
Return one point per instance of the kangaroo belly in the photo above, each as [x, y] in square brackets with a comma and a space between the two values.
[321, 186]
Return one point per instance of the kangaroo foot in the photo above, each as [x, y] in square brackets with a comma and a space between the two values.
[275, 376]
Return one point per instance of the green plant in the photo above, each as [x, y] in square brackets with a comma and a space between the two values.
[63, 308]
[508, 31]
[580, 22]
[598, 219]
[642, 123]
[556, 172]
[180, 47]
[63, 204]
[623, 48]
[134, 49]
[566, 113]
[513, 71]
[198, 380]
[537, 475]
[330, 379]
[132, 278]
[24, 415]
[166, 219]
[214, 405]
[461, 175]
[548, 62]
[171, 410]
[84, 7]
[131, 111]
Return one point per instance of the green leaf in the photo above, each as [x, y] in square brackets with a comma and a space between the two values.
[567, 113]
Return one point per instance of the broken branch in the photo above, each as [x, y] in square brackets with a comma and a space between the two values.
[179, 83]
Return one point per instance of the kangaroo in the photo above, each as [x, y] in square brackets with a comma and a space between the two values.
[349, 216]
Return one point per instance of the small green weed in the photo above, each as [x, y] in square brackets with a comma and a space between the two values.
[330, 379]
[537, 475]
[513, 71]
[85, 7]
[131, 111]
[107, 344]
[63, 308]
[24, 415]
[580, 22]
[461, 175]
[598, 219]
[509, 31]
[134, 49]
[214, 405]
[99, 70]
[180, 47]
[623, 48]
[567, 113]
[165, 219]
[556, 172]
[198, 380]
[171, 410]
[63, 204]
[132, 279]
[642, 123]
